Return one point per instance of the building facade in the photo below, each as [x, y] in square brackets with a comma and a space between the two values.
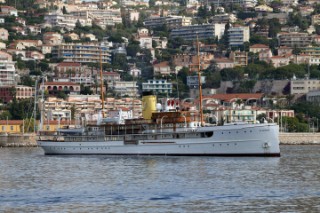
[203, 31]
[303, 86]
[294, 39]
[82, 52]
[238, 35]
[157, 86]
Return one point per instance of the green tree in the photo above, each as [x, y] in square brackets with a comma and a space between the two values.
[27, 81]
[5, 115]
[229, 74]
[73, 111]
[61, 94]
[133, 48]
[85, 90]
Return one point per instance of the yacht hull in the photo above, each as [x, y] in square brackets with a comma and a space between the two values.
[231, 140]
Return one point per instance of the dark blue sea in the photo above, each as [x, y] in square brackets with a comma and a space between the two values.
[33, 182]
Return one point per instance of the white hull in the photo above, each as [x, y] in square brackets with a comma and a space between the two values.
[230, 140]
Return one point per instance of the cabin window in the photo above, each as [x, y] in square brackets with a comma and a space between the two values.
[11, 128]
[3, 128]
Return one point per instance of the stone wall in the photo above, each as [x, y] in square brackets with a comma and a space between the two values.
[26, 140]
[299, 138]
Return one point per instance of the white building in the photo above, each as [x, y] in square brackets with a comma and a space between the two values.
[7, 73]
[303, 86]
[203, 31]
[103, 18]
[242, 3]
[57, 19]
[126, 88]
[82, 52]
[238, 35]
[157, 86]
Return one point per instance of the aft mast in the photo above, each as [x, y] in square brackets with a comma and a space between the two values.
[199, 84]
[101, 82]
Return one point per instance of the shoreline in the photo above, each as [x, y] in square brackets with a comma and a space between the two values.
[294, 138]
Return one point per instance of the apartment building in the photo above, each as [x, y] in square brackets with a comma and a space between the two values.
[82, 52]
[313, 52]
[238, 35]
[109, 78]
[171, 22]
[157, 86]
[68, 21]
[303, 86]
[7, 93]
[203, 31]
[24, 92]
[7, 73]
[294, 39]
[239, 58]
[224, 18]
[242, 3]
[101, 17]
[126, 88]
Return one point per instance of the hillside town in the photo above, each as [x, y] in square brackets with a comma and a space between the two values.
[259, 60]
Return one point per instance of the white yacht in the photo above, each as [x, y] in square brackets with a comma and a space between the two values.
[164, 133]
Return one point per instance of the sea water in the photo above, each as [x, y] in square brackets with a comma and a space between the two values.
[33, 182]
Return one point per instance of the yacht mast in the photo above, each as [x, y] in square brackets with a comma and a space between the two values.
[101, 82]
[42, 106]
[199, 82]
[35, 107]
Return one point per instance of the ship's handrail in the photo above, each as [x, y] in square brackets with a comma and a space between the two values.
[75, 138]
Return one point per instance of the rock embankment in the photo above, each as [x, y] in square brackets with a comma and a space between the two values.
[26, 140]
[294, 138]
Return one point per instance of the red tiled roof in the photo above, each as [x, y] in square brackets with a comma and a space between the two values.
[11, 122]
[110, 73]
[9, 7]
[162, 64]
[259, 46]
